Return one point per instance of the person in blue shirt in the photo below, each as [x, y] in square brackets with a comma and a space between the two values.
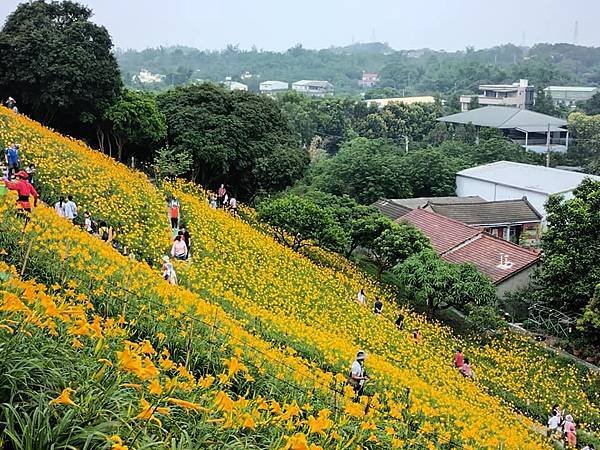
[12, 159]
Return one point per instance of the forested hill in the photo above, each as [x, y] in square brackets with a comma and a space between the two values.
[412, 71]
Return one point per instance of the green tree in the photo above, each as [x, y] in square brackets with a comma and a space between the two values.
[431, 173]
[571, 245]
[395, 244]
[474, 102]
[170, 164]
[365, 230]
[589, 323]
[586, 131]
[281, 168]
[592, 106]
[135, 118]
[544, 104]
[58, 64]
[298, 221]
[434, 284]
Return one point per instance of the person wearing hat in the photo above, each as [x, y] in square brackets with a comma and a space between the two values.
[168, 271]
[24, 190]
[358, 375]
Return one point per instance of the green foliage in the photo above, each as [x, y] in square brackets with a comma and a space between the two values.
[135, 118]
[571, 245]
[58, 64]
[170, 164]
[589, 324]
[474, 102]
[485, 318]
[433, 284]
[592, 106]
[298, 221]
[431, 173]
[235, 137]
[586, 131]
[395, 244]
[544, 103]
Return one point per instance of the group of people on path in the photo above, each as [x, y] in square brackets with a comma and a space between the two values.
[66, 208]
[222, 200]
[11, 103]
[564, 429]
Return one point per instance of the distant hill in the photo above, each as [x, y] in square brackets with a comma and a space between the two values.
[381, 48]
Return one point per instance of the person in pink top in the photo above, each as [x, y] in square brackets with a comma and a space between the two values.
[570, 432]
[466, 369]
[179, 249]
[459, 358]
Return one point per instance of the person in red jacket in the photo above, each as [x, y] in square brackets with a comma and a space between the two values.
[24, 190]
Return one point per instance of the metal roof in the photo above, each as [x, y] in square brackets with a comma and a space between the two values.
[390, 208]
[503, 117]
[319, 83]
[484, 213]
[544, 180]
[538, 129]
[571, 88]
[420, 202]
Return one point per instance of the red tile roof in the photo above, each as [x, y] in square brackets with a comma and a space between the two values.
[486, 252]
[459, 243]
[444, 233]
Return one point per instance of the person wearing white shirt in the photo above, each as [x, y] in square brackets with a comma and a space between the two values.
[59, 207]
[553, 423]
[358, 375]
[361, 298]
[70, 209]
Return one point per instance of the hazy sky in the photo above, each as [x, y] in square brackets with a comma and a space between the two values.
[278, 25]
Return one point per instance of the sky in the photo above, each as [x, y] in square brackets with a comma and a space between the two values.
[277, 25]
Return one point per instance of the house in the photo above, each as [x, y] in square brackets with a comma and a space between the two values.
[369, 79]
[570, 95]
[527, 128]
[381, 102]
[273, 87]
[313, 88]
[397, 207]
[507, 180]
[516, 221]
[234, 85]
[507, 265]
[519, 95]
[147, 77]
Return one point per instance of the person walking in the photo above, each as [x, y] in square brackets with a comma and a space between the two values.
[105, 232]
[59, 207]
[233, 206]
[358, 374]
[459, 358]
[168, 271]
[88, 223]
[221, 192]
[174, 213]
[399, 321]
[31, 172]
[12, 159]
[570, 432]
[70, 209]
[213, 201]
[179, 249]
[361, 298]
[416, 335]
[187, 239]
[554, 424]
[378, 306]
[24, 190]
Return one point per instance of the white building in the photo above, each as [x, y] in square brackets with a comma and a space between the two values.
[517, 94]
[314, 88]
[147, 77]
[272, 87]
[381, 102]
[570, 95]
[234, 85]
[505, 180]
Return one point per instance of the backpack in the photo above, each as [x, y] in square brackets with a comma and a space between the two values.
[103, 233]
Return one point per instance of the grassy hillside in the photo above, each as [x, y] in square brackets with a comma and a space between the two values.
[258, 335]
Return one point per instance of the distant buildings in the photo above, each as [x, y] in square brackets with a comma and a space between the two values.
[570, 95]
[505, 180]
[147, 77]
[369, 79]
[381, 102]
[519, 95]
[273, 87]
[313, 88]
[527, 128]
[234, 85]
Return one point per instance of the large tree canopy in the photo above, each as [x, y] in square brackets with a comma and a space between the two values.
[58, 64]
[230, 137]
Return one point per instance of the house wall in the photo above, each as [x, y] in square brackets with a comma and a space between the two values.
[492, 191]
[520, 280]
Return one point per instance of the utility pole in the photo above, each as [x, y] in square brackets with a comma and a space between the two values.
[548, 147]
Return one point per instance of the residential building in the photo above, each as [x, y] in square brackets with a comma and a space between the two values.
[570, 95]
[519, 95]
[234, 85]
[527, 128]
[507, 265]
[516, 221]
[273, 87]
[313, 88]
[369, 79]
[381, 102]
[147, 77]
[507, 180]
[397, 207]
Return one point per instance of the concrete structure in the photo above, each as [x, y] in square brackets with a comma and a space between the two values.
[507, 265]
[147, 77]
[381, 102]
[570, 95]
[369, 79]
[313, 88]
[234, 85]
[505, 180]
[527, 128]
[273, 87]
[519, 95]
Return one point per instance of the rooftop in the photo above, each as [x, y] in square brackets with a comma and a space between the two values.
[404, 100]
[571, 88]
[540, 179]
[390, 208]
[420, 202]
[320, 83]
[459, 243]
[489, 213]
[504, 117]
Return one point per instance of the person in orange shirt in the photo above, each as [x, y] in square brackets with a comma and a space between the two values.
[24, 190]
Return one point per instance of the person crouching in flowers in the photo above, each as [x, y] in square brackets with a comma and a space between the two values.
[168, 271]
[466, 370]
